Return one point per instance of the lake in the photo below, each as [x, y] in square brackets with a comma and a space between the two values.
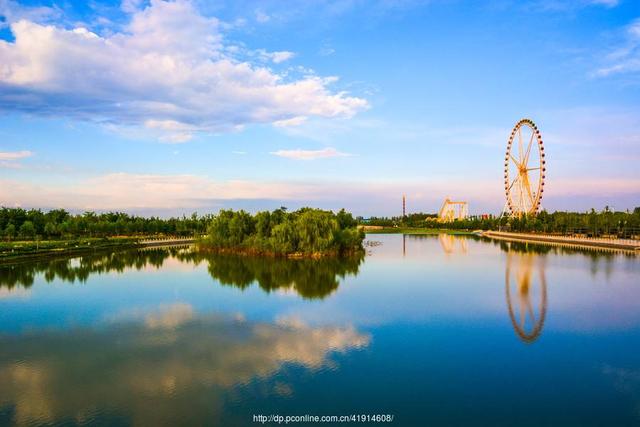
[432, 330]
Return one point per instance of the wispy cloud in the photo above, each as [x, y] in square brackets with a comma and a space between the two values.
[10, 159]
[262, 17]
[13, 11]
[14, 155]
[275, 57]
[294, 121]
[326, 51]
[168, 70]
[625, 58]
[309, 154]
[607, 3]
[568, 5]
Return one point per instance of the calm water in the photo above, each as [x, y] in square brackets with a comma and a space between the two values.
[433, 330]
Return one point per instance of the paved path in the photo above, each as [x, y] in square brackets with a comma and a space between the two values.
[623, 244]
[167, 242]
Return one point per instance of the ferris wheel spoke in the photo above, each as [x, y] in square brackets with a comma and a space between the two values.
[523, 208]
[524, 192]
[528, 187]
[520, 149]
[526, 157]
[514, 160]
[514, 181]
[533, 169]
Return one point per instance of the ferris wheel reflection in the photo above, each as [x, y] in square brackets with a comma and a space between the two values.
[526, 292]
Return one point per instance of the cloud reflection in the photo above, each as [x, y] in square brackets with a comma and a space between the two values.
[150, 370]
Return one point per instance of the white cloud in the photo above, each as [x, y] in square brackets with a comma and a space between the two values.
[168, 69]
[171, 130]
[130, 6]
[12, 11]
[309, 154]
[326, 51]
[9, 159]
[275, 57]
[262, 17]
[138, 191]
[294, 121]
[607, 3]
[626, 57]
[14, 155]
[177, 194]
[567, 5]
[281, 56]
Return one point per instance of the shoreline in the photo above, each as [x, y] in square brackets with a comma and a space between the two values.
[613, 244]
[266, 254]
[63, 250]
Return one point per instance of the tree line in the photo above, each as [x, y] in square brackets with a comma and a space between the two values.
[305, 231]
[592, 223]
[18, 223]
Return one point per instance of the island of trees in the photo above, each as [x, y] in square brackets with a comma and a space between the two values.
[305, 232]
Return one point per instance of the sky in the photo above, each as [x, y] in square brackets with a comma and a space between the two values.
[167, 108]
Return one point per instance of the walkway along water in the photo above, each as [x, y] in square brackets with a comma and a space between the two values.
[166, 242]
[616, 244]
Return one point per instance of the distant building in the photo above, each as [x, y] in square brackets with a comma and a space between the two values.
[452, 211]
[404, 206]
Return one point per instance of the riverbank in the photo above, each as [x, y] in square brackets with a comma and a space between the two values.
[617, 244]
[29, 250]
[250, 252]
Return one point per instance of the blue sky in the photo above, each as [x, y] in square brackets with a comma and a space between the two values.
[167, 108]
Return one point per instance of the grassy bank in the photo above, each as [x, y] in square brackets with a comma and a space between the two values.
[28, 249]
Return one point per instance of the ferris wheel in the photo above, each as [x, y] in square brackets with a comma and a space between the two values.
[524, 169]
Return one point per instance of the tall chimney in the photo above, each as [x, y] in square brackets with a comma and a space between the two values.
[404, 206]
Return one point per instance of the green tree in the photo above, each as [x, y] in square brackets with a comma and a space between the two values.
[10, 231]
[50, 229]
[27, 229]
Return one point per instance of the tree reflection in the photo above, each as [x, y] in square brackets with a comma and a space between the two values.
[309, 278]
[526, 292]
[80, 268]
